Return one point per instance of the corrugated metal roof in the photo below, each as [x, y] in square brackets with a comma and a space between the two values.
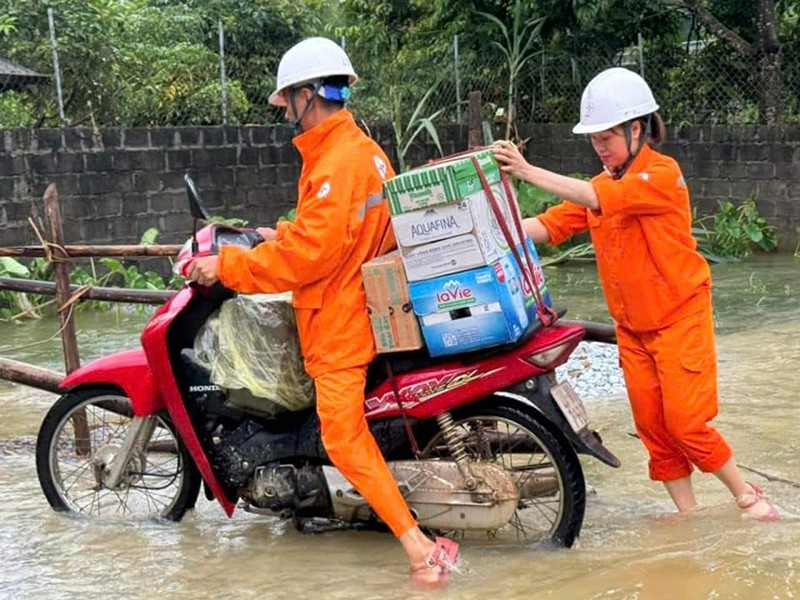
[8, 68]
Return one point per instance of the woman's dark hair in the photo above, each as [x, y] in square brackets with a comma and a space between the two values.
[657, 129]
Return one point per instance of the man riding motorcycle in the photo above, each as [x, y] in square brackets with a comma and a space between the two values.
[342, 222]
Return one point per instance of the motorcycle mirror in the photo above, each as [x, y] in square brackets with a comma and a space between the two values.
[195, 208]
[195, 205]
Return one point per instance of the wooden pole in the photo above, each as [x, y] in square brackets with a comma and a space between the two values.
[52, 212]
[31, 375]
[69, 341]
[475, 138]
[93, 251]
[48, 288]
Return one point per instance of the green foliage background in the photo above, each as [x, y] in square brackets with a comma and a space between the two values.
[156, 62]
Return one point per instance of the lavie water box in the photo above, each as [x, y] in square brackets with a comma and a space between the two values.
[473, 309]
[538, 278]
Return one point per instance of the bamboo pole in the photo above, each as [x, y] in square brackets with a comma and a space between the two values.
[31, 375]
[69, 340]
[475, 138]
[48, 288]
[595, 332]
[89, 251]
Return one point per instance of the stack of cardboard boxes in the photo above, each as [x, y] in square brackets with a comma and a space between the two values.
[454, 275]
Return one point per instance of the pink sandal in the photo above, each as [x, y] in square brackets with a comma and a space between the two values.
[748, 501]
[444, 557]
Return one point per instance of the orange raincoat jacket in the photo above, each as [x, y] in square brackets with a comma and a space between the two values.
[647, 260]
[341, 220]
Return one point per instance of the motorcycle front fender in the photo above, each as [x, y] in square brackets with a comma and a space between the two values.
[127, 370]
[586, 441]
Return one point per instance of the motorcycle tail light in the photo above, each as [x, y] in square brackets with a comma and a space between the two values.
[550, 357]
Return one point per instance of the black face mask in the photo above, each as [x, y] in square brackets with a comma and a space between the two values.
[296, 123]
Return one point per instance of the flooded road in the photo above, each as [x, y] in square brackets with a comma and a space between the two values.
[632, 545]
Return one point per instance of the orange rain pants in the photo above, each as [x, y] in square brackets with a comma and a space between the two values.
[349, 443]
[671, 376]
[657, 287]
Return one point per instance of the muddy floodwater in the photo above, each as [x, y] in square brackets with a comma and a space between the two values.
[632, 545]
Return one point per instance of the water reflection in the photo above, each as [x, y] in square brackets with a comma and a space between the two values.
[632, 546]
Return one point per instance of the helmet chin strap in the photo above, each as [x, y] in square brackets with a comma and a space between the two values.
[620, 171]
[297, 123]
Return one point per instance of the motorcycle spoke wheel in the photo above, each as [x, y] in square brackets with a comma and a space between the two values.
[79, 440]
[538, 464]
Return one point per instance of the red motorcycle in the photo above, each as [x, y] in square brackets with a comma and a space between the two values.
[483, 444]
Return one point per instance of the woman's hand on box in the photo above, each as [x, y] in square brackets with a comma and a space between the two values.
[511, 159]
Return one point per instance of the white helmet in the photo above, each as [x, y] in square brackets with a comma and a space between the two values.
[308, 61]
[613, 97]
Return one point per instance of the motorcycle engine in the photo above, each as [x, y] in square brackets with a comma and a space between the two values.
[279, 487]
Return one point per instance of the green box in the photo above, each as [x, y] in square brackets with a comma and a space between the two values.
[449, 180]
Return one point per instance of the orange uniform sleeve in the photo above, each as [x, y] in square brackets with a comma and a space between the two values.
[305, 251]
[563, 221]
[648, 192]
[281, 228]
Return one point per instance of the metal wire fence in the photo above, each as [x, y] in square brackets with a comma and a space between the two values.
[694, 84]
[227, 80]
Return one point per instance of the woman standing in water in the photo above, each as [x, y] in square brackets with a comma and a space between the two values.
[657, 286]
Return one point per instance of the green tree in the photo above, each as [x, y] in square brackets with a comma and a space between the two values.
[143, 62]
[751, 28]
[87, 33]
[257, 33]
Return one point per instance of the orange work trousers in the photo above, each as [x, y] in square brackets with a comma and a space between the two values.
[352, 448]
[671, 377]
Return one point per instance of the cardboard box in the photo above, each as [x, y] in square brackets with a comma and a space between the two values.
[447, 181]
[394, 324]
[470, 310]
[432, 224]
[452, 255]
[453, 237]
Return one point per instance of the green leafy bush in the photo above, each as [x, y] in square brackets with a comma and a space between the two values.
[16, 111]
[734, 231]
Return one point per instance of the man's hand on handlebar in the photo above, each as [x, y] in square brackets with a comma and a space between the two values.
[204, 270]
[268, 233]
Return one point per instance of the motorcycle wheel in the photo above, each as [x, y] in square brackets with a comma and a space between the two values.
[544, 465]
[162, 481]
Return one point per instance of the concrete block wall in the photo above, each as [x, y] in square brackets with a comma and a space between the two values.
[117, 183]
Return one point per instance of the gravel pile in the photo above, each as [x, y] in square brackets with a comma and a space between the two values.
[593, 370]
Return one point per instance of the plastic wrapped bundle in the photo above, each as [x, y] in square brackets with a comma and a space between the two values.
[251, 349]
